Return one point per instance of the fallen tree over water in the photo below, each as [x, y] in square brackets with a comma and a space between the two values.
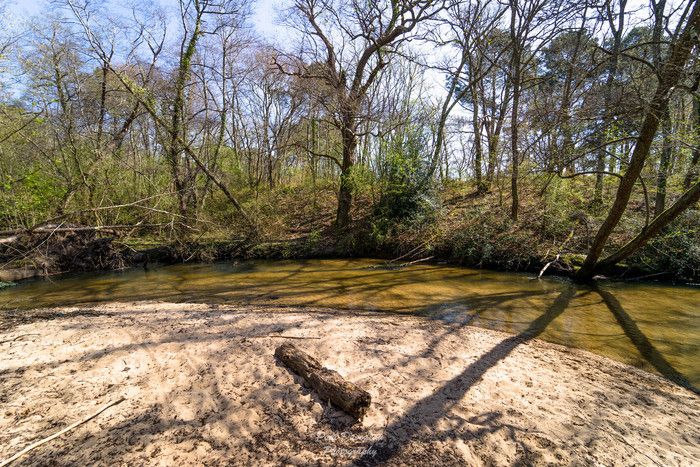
[51, 249]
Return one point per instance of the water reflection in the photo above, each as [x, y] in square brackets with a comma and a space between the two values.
[654, 327]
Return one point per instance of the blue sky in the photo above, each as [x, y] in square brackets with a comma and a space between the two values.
[264, 16]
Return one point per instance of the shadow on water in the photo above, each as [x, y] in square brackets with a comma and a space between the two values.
[646, 349]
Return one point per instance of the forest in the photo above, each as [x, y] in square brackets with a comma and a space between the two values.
[503, 134]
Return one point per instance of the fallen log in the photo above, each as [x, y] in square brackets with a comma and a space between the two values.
[329, 385]
[12, 235]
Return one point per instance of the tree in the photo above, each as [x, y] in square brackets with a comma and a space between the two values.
[474, 30]
[692, 174]
[669, 76]
[616, 24]
[533, 24]
[347, 46]
[146, 98]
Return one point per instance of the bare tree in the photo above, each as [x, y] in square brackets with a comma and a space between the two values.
[470, 28]
[533, 24]
[198, 9]
[346, 45]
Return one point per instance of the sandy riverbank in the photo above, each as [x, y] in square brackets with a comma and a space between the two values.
[202, 388]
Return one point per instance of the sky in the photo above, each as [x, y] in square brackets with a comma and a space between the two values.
[264, 15]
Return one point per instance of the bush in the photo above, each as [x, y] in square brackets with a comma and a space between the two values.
[404, 193]
[675, 251]
[490, 241]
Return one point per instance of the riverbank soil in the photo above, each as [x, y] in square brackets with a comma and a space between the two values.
[202, 387]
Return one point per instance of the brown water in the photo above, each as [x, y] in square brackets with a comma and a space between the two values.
[655, 327]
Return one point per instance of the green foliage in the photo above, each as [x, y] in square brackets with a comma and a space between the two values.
[676, 251]
[488, 239]
[405, 202]
[37, 193]
[403, 193]
[362, 179]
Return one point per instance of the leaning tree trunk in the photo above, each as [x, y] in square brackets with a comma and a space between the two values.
[670, 75]
[686, 201]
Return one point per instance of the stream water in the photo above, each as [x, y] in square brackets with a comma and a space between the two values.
[652, 326]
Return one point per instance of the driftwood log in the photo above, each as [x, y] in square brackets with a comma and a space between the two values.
[329, 385]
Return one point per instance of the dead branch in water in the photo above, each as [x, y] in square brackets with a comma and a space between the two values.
[414, 250]
[416, 261]
[388, 265]
[556, 259]
[56, 435]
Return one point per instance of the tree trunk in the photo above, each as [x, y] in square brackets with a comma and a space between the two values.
[692, 174]
[515, 162]
[669, 77]
[665, 160]
[494, 129]
[664, 164]
[686, 201]
[329, 385]
[607, 104]
[567, 149]
[478, 151]
[177, 119]
[345, 192]
[492, 160]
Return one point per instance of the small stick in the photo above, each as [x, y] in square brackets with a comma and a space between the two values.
[546, 266]
[555, 260]
[410, 263]
[56, 435]
[17, 338]
[283, 337]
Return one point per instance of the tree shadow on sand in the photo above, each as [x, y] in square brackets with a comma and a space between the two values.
[434, 407]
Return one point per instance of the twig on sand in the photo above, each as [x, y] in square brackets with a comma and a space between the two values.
[622, 438]
[56, 435]
[21, 336]
[279, 336]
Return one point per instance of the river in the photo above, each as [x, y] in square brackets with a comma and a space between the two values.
[652, 326]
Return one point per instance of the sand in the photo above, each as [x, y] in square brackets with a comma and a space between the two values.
[202, 388]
